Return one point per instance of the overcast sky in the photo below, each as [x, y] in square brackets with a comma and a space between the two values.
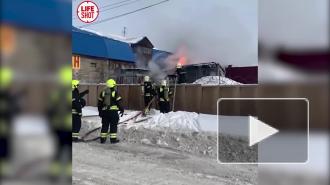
[294, 24]
[221, 30]
[224, 31]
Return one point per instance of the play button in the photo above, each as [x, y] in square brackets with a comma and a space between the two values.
[259, 131]
[263, 130]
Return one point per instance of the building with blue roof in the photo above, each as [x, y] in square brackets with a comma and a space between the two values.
[101, 57]
[89, 44]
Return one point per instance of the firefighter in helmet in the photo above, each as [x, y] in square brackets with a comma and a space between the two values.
[180, 74]
[7, 110]
[148, 93]
[60, 119]
[164, 97]
[109, 104]
[77, 104]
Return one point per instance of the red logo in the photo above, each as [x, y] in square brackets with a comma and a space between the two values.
[87, 11]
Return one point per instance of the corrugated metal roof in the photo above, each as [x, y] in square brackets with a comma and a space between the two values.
[95, 45]
[114, 37]
[44, 15]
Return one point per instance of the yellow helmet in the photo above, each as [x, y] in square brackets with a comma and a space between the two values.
[75, 84]
[65, 75]
[6, 77]
[164, 83]
[146, 78]
[111, 83]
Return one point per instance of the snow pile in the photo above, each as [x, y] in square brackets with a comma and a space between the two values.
[90, 111]
[176, 121]
[200, 143]
[216, 80]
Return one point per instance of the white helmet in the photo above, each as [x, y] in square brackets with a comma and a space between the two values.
[146, 78]
[164, 83]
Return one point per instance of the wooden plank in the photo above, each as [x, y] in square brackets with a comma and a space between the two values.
[210, 95]
[193, 98]
[229, 107]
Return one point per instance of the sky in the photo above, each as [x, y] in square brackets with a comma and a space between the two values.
[294, 24]
[224, 31]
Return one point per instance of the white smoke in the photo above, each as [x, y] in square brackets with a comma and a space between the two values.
[161, 66]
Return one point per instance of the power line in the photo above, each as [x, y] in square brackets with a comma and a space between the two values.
[111, 8]
[114, 4]
[121, 15]
[109, 5]
[119, 6]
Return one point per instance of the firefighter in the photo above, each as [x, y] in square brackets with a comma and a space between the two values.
[148, 93]
[77, 104]
[163, 95]
[109, 103]
[60, 119]
[180, 74]
[7, 111]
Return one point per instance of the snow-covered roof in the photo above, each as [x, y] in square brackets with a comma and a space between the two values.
[95, 44]
[133, 40]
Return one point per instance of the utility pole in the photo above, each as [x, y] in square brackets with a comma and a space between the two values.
[124, 31]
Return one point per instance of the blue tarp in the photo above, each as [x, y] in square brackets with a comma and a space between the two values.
[43, 15]
[90, 44]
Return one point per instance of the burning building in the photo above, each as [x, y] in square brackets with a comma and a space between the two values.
[194, 72]
[97, 57]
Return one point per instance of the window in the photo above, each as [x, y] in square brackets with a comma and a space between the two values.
[146, 51]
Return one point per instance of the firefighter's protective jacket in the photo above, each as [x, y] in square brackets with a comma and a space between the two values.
[59, 110]
[181, 75]
[148, 89]
[109, 99]
[164, 93]
[7, 109]
[77, 101]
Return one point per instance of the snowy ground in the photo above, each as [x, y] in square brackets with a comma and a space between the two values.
[157, 133]
[133, 164]
[166, 157]
[171, 148]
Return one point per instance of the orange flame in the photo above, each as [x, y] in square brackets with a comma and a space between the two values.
[182, 60]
